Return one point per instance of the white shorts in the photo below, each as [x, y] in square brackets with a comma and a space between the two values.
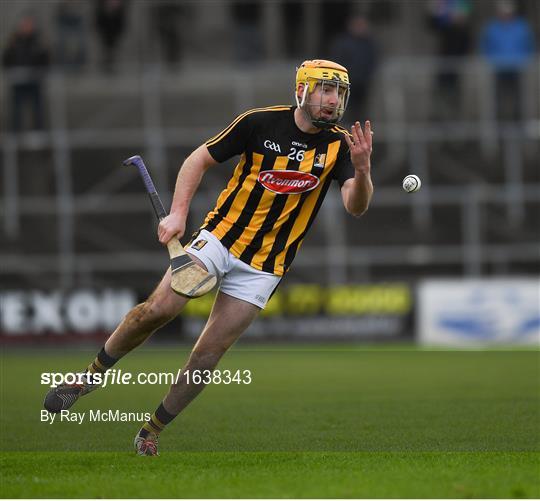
[236, 278]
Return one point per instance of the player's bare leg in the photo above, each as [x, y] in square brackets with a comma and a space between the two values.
[144, 319]
[137, 326]
[229, 318]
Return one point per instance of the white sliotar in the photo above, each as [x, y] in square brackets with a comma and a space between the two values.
[411, 183]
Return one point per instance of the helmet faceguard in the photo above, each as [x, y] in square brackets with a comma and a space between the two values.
[330, 76]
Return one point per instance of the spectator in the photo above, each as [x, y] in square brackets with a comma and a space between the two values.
[291, 12]
[507, 42]
[335, 16]
[26, 58]
[356, 50]
[110, 24]
[71, 35]
[166, 23]
[449, 19]
[248, 43]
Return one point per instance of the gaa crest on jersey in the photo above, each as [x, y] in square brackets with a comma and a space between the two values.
[288, 182]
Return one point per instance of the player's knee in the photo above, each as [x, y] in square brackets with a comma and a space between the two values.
[152, 314]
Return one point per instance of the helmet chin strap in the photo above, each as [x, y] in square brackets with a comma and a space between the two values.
[323, 124]
[317, 122]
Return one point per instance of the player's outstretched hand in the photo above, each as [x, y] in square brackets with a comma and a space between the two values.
[360, 146]
[169, 227]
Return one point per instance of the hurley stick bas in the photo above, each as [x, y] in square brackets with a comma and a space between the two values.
[188, 278]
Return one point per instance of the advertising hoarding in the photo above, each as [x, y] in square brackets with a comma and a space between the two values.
[479, 312]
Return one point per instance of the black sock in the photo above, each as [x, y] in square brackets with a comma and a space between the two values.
[157, 422]
[102, 362]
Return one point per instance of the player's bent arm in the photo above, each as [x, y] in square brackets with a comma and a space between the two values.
[356, 193]
[188, 180]
[189, 177]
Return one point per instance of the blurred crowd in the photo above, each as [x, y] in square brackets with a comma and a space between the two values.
[28, 56]
[505, 41]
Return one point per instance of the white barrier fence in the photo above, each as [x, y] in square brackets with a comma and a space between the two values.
[479, 312]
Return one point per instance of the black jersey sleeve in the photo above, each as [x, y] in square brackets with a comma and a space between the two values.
[233, 139]
[343, 169]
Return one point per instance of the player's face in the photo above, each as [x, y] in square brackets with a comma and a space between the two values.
[327, 100]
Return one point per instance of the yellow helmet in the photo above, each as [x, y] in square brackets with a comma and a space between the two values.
[320, 71]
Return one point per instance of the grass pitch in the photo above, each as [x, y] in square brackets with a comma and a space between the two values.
[330, 421]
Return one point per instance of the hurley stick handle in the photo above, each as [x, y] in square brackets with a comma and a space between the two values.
[149, 185]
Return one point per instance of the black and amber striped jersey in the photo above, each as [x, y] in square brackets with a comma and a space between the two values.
[278, 186]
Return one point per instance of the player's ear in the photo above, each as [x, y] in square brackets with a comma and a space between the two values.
[300, 93]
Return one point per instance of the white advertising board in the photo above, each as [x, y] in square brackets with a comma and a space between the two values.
[479, 312]
[31, 313]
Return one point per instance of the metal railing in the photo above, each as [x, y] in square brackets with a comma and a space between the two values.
[407, 143]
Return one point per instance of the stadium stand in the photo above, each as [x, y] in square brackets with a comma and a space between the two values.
[72, 214]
